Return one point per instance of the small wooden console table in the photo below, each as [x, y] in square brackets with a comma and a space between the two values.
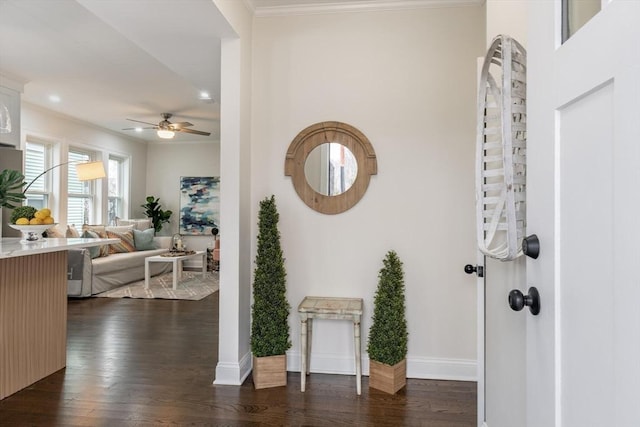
[334, 309]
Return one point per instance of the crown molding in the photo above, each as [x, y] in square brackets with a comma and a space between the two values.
[249, 5]
[357, 6]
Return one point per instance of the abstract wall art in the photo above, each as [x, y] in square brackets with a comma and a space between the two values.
[199, 204]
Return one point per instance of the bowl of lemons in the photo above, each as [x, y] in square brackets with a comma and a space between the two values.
[31, 222]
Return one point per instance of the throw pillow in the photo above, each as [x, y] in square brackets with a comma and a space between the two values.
[126, 244]
[55, 233]
[138, 224]
[118, 229]
[95, 228]
[144, 239]
[94, 251]
[99, 232]
[72, 232]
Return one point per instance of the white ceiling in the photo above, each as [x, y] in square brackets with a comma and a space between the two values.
[109, 60]
[113, 60]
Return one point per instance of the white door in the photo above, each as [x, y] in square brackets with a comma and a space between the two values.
[583, 201]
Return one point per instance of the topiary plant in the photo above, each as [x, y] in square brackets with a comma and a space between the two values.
[270, 309]
[155, 212]
[388, 336]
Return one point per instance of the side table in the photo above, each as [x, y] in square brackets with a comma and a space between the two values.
[332, 309]
[177, 266]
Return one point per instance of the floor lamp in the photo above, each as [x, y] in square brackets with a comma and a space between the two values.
[86, 171]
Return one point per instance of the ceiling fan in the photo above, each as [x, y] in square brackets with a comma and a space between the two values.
[167, 130]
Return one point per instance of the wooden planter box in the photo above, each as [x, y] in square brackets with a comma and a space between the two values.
[270, 371]
[387, 378]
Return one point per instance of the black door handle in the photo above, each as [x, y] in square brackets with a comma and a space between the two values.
[531, 246]
[470, 269]
[517, 301]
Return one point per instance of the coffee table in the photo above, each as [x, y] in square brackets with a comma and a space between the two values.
[177, 265]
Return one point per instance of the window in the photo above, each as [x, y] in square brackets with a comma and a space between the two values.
[116, 189]
[37, 158]
[74, 201]
[576, 13]
[81, 194]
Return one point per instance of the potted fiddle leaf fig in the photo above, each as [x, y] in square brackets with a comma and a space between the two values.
[154, 210]
[388, 336]
[270, 309]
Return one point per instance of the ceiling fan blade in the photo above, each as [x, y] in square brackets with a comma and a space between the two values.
[180, 125]
[140, 121]
[154, 127]
[196, 132]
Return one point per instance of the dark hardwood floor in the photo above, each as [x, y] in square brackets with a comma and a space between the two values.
[152, 363]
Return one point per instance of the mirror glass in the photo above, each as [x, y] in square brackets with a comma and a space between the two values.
[331, 169]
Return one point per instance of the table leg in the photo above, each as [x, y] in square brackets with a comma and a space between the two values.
[309, 342]
[303, 354]
[146, 273]
[356, 335]
[204, 265]
[176, 264]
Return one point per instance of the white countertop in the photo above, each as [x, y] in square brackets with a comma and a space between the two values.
[11, 246]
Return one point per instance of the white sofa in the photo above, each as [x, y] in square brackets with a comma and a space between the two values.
[89, 276]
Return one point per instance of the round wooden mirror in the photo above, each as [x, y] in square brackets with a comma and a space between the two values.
[330, 186]
[331, 169]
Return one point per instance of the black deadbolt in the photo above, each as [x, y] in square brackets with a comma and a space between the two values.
[518, 301]
[531, 246]
[470, 269]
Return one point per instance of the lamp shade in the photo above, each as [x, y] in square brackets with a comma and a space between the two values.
[90, 170]
[166, 134]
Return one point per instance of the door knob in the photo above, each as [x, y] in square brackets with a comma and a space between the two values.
[517, 301]
[531, 246]
[470, 269]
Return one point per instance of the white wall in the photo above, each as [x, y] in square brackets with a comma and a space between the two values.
[167, 162]
[407, 80]
[507, 17]
[53, 127]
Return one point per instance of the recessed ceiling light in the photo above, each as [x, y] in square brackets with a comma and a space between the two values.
[138, 129]
[54, 98]
[204, 95]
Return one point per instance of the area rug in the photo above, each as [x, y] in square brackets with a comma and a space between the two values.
[190, 287]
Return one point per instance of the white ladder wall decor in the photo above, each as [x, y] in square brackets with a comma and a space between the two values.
[501, 151]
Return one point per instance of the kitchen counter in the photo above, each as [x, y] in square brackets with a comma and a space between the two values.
[33, 309]
[11, 247]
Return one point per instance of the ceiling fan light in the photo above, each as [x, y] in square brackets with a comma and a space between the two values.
[165, 134]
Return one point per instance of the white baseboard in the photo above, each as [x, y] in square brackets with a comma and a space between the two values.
[442, 369]
[417, 367]
[233, 373]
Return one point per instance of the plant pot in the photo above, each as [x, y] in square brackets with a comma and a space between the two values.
[270, 371]
[387, 378]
